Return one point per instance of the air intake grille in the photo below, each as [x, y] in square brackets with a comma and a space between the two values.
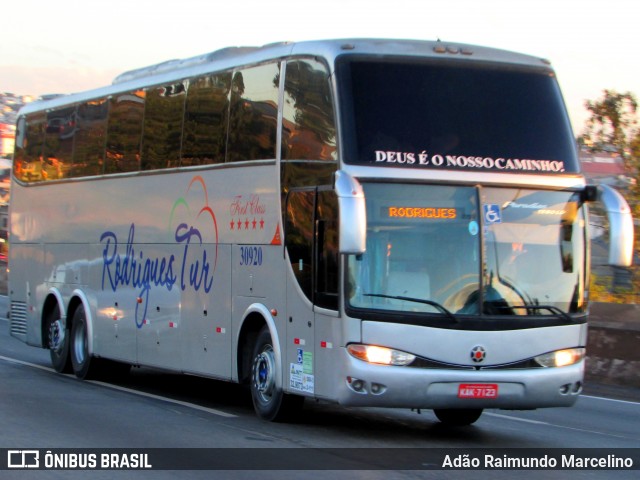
[18, 318]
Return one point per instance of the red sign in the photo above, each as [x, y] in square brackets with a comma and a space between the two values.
[478, 390]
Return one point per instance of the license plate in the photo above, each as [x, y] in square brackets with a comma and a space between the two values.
[478, 390]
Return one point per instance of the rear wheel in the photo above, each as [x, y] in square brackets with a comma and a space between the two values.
[458, 417]
[84, 366]
[58, 341]
[269, 401]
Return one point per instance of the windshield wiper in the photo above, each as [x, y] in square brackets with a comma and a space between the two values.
[436, 305]
[555, 310]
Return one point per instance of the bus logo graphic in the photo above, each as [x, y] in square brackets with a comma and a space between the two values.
[492, 213]
[478, 354]
[23, 459]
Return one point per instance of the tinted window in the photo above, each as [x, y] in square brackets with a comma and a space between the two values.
[327, 280]
[164, 109]
[89, 150]
[299, 237]
[461, 117]
[28, 162]
[308, 129]
[311, 238]
[205, 122]
[124, 132]
[58, 146]
[253, 114]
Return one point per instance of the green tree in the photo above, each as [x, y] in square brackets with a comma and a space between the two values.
[613, 121]
[613, 127]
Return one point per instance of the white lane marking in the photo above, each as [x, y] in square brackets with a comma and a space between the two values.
[526, 420]
[193, 406]
[628, 402]
[27, 364]
[517, 419]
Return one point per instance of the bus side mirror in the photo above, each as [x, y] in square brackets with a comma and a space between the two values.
[621, 226]
[353, 214]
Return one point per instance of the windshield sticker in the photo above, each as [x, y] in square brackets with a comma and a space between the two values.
[538, 207]
[473, 228]
[468, 162]
[492, 213]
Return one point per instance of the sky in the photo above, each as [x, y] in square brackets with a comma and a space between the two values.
[67, 46]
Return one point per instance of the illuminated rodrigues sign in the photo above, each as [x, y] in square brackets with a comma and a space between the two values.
[420, 212]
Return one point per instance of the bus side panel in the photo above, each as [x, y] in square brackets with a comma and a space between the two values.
[66, 266]
[258, 283]
[27, 273]
[157, 316]
[205, 316]
[114, 329]
[329, 334]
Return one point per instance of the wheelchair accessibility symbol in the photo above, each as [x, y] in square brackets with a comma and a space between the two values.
[492, 213]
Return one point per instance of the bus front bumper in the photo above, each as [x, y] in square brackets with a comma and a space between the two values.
[365, 384]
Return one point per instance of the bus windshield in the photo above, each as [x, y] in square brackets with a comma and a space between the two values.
[470, 251]
[457, 116]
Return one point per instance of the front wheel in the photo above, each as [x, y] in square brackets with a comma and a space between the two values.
[269, 401]
[458, 417]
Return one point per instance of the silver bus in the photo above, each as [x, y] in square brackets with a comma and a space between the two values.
[368, 222]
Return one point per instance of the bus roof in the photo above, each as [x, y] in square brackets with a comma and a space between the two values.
[230, 57]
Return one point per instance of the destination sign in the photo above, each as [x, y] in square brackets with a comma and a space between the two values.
[419, 212]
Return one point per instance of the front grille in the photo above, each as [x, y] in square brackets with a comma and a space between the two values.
[421, 362]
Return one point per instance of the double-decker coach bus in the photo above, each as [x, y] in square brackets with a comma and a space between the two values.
[368, 222]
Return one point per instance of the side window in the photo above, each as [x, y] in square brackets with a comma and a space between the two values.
[27, 164]
[299, 237]
[311, 239]
[162, 132]
[124, 132]
[327, 256]
[205, 120]
[58, 143]
[253, 114]
[89, 150]
[308, 128]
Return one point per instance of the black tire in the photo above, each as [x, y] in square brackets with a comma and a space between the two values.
[84, 366]
[269, 401]
[57, 340]
[458, 417]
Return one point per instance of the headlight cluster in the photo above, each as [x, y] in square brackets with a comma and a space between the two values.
[380, 355]
[560, 358]
[389, 356]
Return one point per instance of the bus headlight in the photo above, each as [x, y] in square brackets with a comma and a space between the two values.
[380, 355]
[560, 358]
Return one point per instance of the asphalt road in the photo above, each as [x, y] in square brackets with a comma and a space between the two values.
[150, 409]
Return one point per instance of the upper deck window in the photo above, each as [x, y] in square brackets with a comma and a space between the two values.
[124, 132]
[308, 128]
[206, 116]
[162, 128]
[451, 116]
[253, 114]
